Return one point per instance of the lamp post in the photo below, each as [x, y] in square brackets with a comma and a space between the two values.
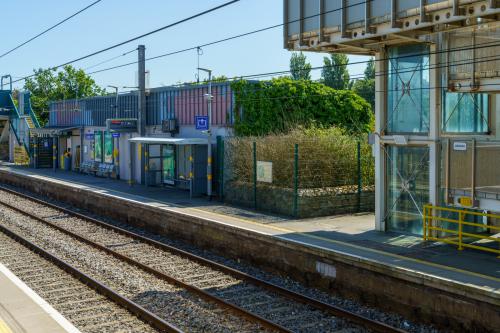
[116, 100]
[209, 132]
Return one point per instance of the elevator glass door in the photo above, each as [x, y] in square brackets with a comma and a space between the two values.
[407, 189]
[168, 164]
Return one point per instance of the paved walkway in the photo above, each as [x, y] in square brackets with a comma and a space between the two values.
[23, 311]
[352, 235]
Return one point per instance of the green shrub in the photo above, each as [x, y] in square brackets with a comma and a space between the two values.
[280, 105]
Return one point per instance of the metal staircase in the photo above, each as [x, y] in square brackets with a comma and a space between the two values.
[20, 120]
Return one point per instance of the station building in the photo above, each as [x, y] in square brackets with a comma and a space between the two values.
[100, 135]
[437, 135]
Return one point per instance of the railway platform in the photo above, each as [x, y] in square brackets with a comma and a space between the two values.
[23, 311]
[398, 272]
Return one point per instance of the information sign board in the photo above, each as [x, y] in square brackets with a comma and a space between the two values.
[264, 172]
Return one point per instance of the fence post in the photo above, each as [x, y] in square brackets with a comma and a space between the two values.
[255, 174]
[220, 164]
[296, 181]
[221, 173]
[359, 177]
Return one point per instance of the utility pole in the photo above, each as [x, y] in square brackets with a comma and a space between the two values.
[141, 121]
[209, 133]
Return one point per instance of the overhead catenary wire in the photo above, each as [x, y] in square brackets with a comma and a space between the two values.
[265, 29]
[361, 76]
[137, 37]
[287, 71]
[109, 60]
[316, 95]
[206, 44]
[49, 29]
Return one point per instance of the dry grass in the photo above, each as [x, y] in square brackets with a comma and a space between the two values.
[327, 158]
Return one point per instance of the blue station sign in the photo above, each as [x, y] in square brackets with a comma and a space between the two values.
[201, 123]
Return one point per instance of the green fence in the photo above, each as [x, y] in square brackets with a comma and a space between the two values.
[299, 176]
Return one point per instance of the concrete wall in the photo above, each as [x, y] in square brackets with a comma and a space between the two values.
[457, 307]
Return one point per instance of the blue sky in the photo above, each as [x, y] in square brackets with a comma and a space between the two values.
[113, 21]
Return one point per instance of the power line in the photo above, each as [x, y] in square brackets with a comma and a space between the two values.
[207, 44]
[110, 59]
[231, 37]
[377, 73]
[355, 77]
[137, 37]
[49, 29]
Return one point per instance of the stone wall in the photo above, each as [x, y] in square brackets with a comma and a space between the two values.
[311, 202]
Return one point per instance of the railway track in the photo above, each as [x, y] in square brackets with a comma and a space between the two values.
[267, 305]
[78, 298]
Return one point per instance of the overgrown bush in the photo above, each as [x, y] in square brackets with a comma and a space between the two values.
[280, 105]
[327, 158]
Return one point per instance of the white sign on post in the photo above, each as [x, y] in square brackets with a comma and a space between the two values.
[264, 172]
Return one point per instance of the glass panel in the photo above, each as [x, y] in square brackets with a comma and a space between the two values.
[407, 187]
[98, 146]
[465, 113]
[168, 153]
[108, 147]
[408, 89]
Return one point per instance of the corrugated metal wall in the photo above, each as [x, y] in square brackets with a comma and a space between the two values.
[183, 103]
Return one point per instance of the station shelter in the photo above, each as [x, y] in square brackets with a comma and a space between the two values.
[178, 162]
[437, 107]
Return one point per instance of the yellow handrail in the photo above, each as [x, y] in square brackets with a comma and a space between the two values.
[433, 224]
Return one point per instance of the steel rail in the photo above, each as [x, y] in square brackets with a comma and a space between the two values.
[371, 324]
[124, 302]
[170, 279]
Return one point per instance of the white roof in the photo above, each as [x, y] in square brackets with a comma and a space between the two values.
[170, 141]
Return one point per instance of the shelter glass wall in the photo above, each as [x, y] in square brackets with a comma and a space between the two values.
[407, 187]
[408, 94]
[465, 113]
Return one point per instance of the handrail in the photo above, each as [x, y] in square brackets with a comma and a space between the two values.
[433, 228]
[31, 112]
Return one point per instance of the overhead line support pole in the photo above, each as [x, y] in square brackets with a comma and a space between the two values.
[142, 105]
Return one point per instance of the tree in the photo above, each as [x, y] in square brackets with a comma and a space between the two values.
[299, 67]
[335, 73]
[366, 86]
[370, 69]
[50, 85]
[366, 89]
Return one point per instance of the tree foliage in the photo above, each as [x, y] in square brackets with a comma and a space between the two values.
[370, 69]
[366, 86]
[335, 73]
[300, 69]
[282, 104]
[50, 85]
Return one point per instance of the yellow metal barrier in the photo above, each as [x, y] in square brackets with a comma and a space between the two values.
[434, 230]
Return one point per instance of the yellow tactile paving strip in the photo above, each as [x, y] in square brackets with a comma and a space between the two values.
[4, 328]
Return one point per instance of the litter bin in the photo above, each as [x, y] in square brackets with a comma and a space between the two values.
[67, 163]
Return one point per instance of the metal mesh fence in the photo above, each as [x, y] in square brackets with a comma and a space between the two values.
[299, 176]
